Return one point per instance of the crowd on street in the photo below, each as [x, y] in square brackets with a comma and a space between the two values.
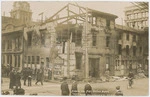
[28, 74]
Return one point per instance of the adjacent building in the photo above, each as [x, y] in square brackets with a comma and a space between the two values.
[137, 16]
[13, 34]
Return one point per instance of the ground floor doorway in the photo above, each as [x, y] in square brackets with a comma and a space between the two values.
[94, 67]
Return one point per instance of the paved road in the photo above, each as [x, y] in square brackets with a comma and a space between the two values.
[140, 87]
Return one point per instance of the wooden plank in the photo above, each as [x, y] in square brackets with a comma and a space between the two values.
[75, 13]
[66, 17]
[58, 12]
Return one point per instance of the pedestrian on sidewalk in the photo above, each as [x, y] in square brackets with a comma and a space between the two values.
[12, 79]
[29, 80]
[18, 78]
[74, 88]
[39, 77]
[65, 88]
[29, 77]
[118, 91]
[88, 89]
[25, 75]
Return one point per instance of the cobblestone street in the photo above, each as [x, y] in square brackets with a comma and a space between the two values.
[50, 89]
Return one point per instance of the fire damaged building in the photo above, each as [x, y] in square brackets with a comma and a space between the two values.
[130, 50]
[84, 40]
[76, 41]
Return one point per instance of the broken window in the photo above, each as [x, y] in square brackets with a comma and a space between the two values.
[107, 23]
[18, 60]
[17, 43]
[15, 60]
[78, 60]
[43, 38]
[47, 61]
[9, 59]
[107, 41]
[78, 38]
[140, 50]
[9, 44]
[119, 49]
[127, 49]
[120, 35]
[29, 61]
[63, 49]
[3, 58]
[3, 44]
[94, 37]
[134, 50]
[29, 38]
[117, 67]
[33, 60]
[94, 21]
[134, 38]
[127, 36]
[37, 59]
[25, 59]
[107, 62]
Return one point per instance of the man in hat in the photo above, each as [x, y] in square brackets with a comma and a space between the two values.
[118, 91]
[130, 78]
[74, 88]
[65, 88]
[88, 89]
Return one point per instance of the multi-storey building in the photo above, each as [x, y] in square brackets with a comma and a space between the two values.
[136, 17]
[13, 34]
[128, 50]
[86, 43]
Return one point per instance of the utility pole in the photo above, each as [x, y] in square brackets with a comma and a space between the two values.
[86, 54]
[68, 47]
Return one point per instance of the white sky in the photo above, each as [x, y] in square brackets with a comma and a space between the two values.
[51, 7]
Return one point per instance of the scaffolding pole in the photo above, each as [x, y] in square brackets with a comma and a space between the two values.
[86, 54]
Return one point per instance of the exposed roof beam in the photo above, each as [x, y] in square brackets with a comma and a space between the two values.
[75, 13]
[58, 12]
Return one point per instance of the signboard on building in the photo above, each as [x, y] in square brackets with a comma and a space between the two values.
[58, 60]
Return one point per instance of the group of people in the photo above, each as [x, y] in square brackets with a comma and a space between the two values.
[88, 88]
[15, 79]
[29, 74]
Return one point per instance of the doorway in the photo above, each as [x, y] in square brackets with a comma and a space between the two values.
[94, 67]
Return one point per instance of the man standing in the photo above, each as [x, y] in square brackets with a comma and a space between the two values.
[130, 76]
[88, 89]
[25, 75]
[12, 79]
[64, 87]
[74, 88]
[39, 77]
[49, 74]
[30, 77]
[18, 78]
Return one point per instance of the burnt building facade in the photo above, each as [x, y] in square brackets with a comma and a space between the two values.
[86, 43]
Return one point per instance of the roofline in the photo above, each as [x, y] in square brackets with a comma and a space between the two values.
[104, 13]
[129, 29]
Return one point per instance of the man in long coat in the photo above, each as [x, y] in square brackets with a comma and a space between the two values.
[65, 88]
[39, 77]
[74, 88]
[88, 89]
[18, 80]
[12, 79]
